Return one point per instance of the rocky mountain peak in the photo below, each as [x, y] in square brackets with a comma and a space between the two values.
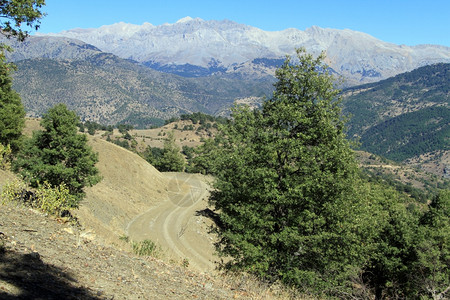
[193, 41]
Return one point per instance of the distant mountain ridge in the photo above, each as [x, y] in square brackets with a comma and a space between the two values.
[226, 46]
[107, 89]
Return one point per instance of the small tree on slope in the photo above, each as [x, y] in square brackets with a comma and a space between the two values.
[58, 154]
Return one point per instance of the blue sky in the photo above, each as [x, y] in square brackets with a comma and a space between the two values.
[409, 22]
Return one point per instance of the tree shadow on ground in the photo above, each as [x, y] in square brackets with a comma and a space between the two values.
[31, 278]
[208, 213]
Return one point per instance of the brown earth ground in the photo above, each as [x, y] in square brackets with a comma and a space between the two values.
[43, 257]
[134, 201]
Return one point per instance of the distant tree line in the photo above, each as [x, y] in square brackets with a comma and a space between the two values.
[92, 127]
[198, 118]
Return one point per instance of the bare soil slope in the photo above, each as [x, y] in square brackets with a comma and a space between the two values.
[178, 224]
[137, 201]
[42, 258]
[129, 186]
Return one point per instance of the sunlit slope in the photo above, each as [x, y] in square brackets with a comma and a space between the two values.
[129, 187]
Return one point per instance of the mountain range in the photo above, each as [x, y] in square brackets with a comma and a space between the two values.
[122, 72]
[207, 47]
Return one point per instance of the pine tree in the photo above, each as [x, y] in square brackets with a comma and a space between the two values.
[171, 160]
[58, 154]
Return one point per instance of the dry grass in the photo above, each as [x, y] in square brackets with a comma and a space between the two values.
[31, 124]
[250, 286]
[5, 177]
[130, 185]
[155, 137]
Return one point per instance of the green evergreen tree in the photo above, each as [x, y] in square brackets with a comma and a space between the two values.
[12, 112]
[14, 14]
[431, 274]
[171, 160]
[204, 157]
[392, 248]
[58, 154]
[285, 189]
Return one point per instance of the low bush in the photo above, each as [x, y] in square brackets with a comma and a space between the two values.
[55, 201]
[146, 248]
[5, 157]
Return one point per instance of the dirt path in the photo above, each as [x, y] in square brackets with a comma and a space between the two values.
[176, 224]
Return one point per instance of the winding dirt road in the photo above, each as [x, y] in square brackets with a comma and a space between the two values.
[176, 225]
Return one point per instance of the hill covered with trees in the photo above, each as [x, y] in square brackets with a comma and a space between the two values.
[403, 116]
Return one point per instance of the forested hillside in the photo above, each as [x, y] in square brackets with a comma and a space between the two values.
[403, 116]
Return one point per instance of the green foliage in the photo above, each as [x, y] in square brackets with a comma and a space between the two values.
[58, 154]
[124, 128]
[12, 113]
[203, 158]
[202, 118]
[51, 200]
[409, 134]
[391, 251]
[188, 127]
[171, 159]
[285, 184]
[432, 269]
[122, 143]
[152, 155]
[124, 238]
[11, 191]
[146, 248]
[292, 205]
[402, 116]
[54, 200]
[410, 257]
[15, 13]
[188, 152]
[5, 157]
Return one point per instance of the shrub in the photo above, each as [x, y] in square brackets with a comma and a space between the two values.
[11, 191]
[54, 200]
[51, 200]
[145, 248]
[58, 154]
[5, 157]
